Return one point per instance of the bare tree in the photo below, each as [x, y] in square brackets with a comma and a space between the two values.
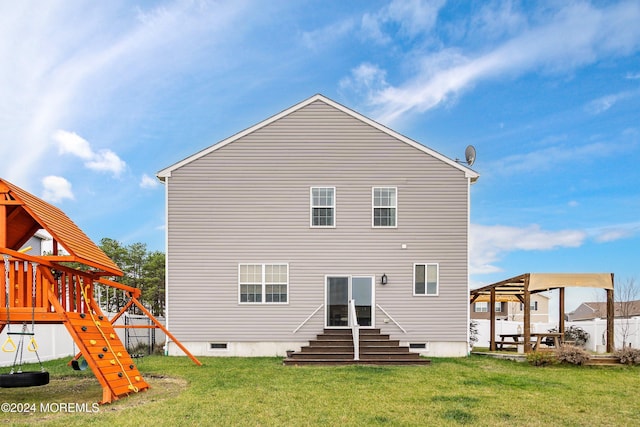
[513, 310]
[626, 295]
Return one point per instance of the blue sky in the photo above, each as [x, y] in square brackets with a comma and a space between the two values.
[96, 97]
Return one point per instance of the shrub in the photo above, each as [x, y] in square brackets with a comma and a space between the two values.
[575, 334]
[628, 355]
[541, 358]
[572, 354]
[473, 332]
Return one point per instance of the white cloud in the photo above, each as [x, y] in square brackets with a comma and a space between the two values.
[573, 36]
[323, 37]
[497, 19]
[148, 182]
[544, 159]
[604, 103]
[615, 232]
[67, 61]
[56, 189]
[408, 18]
[633, 76]
[102, 161]
[72, 143]
[106, 161]
[489, 244]
[365, 80]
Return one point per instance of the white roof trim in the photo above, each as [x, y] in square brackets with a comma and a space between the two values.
[166, 173]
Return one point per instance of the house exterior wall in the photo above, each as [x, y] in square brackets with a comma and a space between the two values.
[512, 310]
[587, 311]
[598, 310]
[502, 313]
[249, 202]
[540, 315]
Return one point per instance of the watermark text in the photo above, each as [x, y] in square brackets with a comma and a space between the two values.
[49, 407]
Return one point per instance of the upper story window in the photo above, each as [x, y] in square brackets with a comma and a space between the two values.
[425, 279]
[385, 207]
[323, 206]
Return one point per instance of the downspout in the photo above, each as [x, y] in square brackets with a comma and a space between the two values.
[166, 263]
[527, 315]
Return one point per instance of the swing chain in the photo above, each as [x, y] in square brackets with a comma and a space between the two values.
[33, 345]
[34, 270]
[8, 346]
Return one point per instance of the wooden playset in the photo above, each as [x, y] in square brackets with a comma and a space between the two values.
[47, 289]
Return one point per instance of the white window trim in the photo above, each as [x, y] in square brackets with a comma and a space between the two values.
[311, 206]
[373, 207]
[475, 307]
[264, 284]
[413, 284]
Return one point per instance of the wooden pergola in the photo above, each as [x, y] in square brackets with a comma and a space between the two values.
[520, 288]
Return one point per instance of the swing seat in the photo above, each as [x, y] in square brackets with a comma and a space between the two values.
[24, 379]
[79, 365]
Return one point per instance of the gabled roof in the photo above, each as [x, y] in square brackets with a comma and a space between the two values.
[469, 173]
[591, 310]
[26, 214]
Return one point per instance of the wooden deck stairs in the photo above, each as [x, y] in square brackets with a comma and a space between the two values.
[105, 355]
[603, 360]
[335, 347]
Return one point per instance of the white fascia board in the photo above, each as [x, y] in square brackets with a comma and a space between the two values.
[469, 173]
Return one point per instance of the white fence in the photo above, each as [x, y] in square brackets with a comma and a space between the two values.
[55, 342]
[626, 330]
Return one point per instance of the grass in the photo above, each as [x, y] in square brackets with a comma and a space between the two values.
[261, 391]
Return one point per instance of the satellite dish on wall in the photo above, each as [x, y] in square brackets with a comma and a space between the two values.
[470, 154]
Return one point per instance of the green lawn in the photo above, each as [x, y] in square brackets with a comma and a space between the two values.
[261, 391]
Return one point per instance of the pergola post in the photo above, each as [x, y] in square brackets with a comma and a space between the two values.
[610, 319]
[492, 317]
[527, 315]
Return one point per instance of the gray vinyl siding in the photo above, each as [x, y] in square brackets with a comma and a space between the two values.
[248, 202]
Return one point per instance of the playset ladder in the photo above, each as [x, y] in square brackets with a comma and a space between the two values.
[105, 354]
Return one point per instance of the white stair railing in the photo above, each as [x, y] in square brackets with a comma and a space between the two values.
[307, 319]
[391, 318]
[355, 329]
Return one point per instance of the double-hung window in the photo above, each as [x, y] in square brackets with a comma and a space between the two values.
[425, 279]
[533, 306]
[263, 283]
[385, 207]
[323, 206]
[481, 307]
